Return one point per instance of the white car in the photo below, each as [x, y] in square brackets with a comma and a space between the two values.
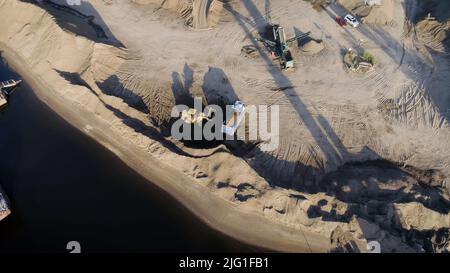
[351, 20]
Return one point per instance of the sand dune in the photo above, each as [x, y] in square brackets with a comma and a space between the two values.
[356, 151]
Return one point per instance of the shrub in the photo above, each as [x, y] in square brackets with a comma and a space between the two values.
[368, 58]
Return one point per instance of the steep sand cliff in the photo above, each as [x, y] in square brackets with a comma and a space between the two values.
[347, 156]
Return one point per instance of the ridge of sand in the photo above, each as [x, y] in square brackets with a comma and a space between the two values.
[216, 212]
[199, 14]
[110, 93]
[93, 115]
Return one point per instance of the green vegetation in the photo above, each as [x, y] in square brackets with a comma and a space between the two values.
[368, 58]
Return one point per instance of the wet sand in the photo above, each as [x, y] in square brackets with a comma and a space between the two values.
[221, 215]
[64, 186]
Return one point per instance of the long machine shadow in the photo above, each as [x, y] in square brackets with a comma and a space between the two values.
[182, 84]
[321, 139]
[111, 86]
[320, 129]
[137, 125]
[216, 90]
[417, 10]
[392, 47]
[327, 140]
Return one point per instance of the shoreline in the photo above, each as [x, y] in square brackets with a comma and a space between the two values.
[220, 215]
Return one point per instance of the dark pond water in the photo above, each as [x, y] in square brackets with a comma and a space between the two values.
[65, 187]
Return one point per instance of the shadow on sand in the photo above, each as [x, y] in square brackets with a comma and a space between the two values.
[90, 26]
[328, 141]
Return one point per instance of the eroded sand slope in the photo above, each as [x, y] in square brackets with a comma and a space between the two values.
[356, 151]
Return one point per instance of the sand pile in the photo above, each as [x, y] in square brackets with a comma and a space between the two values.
[374, 198]
[381, 15]
[101, 84]
[351, 4]
[199, 18]
[199, 14]
[123, 74]
[183, 7]
[343, 241]
[416, 216]
[377, 14]
[423, 222]
[292, 186]
[76, 60]
[102, 68]
[318, 4]
[433, 34]
[429, 21]
[312, 47]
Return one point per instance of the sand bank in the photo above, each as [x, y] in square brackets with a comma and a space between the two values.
[346, 157]
[219, 214]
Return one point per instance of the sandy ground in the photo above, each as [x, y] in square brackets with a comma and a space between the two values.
[219, 214]
[324, 182]
[315, 97]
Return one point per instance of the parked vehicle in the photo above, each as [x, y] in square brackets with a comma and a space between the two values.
[341, 21]
[351, 20]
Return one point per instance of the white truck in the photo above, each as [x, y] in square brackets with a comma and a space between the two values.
[351, 20]
[234, 118]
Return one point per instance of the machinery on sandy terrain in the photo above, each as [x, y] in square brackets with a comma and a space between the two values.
[279, 45]
[230, 125]
[357, 63]
[351, 20]
[191, 116]
[6, 89]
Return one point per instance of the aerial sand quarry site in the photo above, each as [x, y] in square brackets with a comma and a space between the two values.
[363, 153]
